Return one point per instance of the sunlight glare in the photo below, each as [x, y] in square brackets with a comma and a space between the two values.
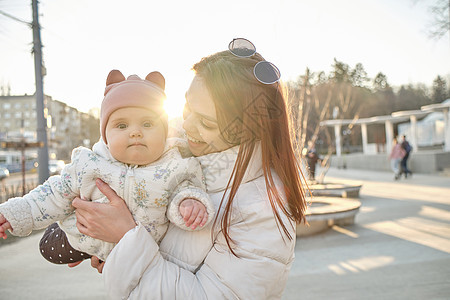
[174, 106]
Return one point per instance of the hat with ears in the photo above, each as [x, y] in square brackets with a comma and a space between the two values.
[132, 92]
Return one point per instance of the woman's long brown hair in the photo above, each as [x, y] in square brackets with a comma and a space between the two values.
[249, 112]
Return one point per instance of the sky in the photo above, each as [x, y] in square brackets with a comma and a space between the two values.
[83, 40]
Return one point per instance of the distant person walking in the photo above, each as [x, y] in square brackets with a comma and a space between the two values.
[311, 159]
[395, 157]
[404, 163]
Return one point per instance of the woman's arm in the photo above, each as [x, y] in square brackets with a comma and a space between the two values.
[136, 269]
[113, 222]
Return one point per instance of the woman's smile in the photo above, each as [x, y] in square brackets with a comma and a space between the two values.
[194, 140]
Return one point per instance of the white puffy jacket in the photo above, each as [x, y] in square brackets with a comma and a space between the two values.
[138, 269]
[149, 191]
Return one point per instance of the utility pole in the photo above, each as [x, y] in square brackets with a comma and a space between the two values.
[41, 119]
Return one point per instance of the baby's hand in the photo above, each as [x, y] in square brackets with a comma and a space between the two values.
[193, 212]
[4, 225]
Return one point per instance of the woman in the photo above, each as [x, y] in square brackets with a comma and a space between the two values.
[397, 153]
[238, 129]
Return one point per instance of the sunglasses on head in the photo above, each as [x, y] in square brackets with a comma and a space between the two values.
[264, 71]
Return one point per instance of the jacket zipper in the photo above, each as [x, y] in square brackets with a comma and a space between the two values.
[128, 177]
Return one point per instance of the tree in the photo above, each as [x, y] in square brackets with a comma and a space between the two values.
[439, 90]
[412, 97]
[441, 22]
[380, 82]
[340, 72]
[359, 76]
[384, 99]
[309, 102]
[343, 94]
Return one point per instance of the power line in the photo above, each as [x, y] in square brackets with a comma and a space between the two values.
[14, 18]
[39, 93]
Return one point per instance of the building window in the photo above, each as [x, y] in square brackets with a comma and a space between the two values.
[7, 115]
[17, 105]
[6, 105]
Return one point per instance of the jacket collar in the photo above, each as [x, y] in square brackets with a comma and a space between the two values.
[217, 167]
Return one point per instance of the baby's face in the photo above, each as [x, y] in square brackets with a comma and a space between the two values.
[135, 136]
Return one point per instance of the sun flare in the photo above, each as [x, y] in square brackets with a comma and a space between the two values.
[174, 107]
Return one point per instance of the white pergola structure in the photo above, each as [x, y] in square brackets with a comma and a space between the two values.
[389, 121]
[413, 115]
[445, 108]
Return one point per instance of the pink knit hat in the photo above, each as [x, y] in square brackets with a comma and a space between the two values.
[132, 92]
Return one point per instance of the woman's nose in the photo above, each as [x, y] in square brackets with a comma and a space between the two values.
[135, 134]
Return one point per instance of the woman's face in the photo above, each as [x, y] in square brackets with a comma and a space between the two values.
[200, 121]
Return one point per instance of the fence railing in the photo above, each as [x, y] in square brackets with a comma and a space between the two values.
[11, 191]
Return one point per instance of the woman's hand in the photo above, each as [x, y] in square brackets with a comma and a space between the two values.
[104, 221]
[96, 263]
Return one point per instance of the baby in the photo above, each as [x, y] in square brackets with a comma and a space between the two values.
[135, 158]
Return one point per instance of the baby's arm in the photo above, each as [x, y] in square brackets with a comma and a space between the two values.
[190, 205]
[4, 225]
[193, 212]
[44, 205]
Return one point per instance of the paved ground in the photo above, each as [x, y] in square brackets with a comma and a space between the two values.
[399, 248]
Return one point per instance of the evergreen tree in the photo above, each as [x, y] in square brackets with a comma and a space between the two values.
[340, 72]
[359, 76]
[439, 90]
[380, 82]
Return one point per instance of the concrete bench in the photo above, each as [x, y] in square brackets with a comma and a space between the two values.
[325, 212]
[335, 189]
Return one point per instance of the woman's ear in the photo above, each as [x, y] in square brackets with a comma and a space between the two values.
[157, 78]
[114, 76]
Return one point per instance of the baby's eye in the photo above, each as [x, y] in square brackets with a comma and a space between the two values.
[148, 124]
[122, 126]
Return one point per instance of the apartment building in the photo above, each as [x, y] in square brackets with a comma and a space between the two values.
[67, 128]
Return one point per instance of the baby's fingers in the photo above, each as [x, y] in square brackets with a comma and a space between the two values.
[186, 212]
[204, 220]
[3, 233]
[200, 215]
[197, 221]
[193, 216]
[6, 226]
